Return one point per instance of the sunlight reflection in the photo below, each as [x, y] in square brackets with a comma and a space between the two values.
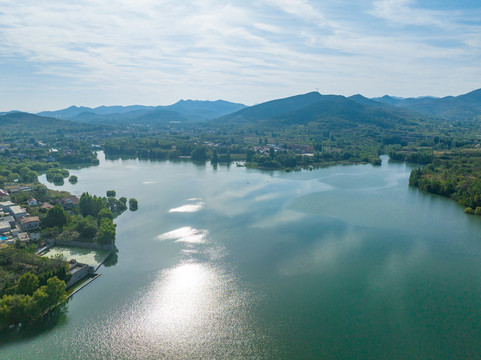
[193, 310]
[185, 298]
[185, 234]
[189, 208]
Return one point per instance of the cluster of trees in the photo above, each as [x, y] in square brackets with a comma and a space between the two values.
[144, 148]
[75, 151]
[288, 160]
[133, 204]
[30, 285]
[68, 150]
[151, 148]
[413, 156]
[15, 262]
[24, 171]
[91, 221]
[458, 176]
[57, 175]
[31, 301]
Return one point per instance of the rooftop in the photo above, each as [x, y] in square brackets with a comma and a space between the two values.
[17, 209]
[70, 200]
[26, 220]
[4, 204]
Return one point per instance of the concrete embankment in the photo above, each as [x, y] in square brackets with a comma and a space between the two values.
[83, 285]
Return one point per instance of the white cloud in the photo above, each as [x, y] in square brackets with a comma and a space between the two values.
[155, 52]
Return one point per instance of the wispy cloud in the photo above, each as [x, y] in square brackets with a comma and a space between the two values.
[159, 51]
[402, 12]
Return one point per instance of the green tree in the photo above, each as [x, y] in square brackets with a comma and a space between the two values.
[215, 157]
[27, 284]
[30, 176]
[90, 205]
[40, 296]
[13, 176]
[199, 153]
[86, 226]
[133, 204]
[111, 193]
[106, 233]
[56, 217]
[106, 213]
[55, 290]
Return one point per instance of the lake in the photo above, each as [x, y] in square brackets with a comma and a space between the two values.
[346, 262]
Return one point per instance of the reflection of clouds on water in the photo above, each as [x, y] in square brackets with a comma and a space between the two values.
[355, 181]
[277, 219]
[323, 255]
[397, 267]
[273, 193]
[185, 234]
[197, 205]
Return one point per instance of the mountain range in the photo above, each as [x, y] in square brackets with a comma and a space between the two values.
[462, 107]
[183, 110]
[294, 110]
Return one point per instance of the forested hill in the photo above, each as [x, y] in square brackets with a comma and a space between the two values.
[269, 109]
[341, 109]
[462, 107]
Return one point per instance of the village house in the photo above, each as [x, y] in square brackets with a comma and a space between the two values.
[17, 212]
[4, 227]
[9, 219]
[69, 202]
[30, 223]
[6, 205]
[47, 206]
[32, 202]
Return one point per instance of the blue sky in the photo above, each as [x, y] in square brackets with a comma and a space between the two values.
[54, 53]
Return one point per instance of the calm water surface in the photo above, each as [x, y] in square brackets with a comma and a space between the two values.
[338, 263]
